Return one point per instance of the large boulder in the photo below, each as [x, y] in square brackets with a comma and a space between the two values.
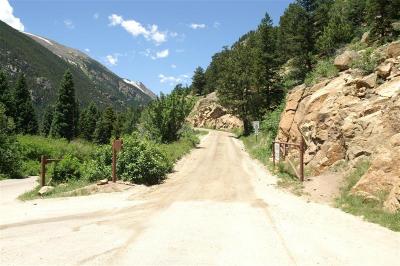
[393, 50]
[343, 61]
[350, 118]
[208, 113]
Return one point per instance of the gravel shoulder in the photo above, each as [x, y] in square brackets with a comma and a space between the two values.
[219, 207]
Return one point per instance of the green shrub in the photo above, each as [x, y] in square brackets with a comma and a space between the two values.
[100, 166]
[367, 61]
[10, 156]
[141, 161]
[164, 118]
[30, 167]
[69, 168]
[323, 69]
[33, 147]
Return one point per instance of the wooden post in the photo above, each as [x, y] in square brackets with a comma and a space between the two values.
[302, 159]
[114, 163]
[273, 152]
[42, 170]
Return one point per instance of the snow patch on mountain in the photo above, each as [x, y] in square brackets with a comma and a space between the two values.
[41, 38]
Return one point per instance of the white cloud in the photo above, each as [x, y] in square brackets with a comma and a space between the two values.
[216, 25]
[171, 80]
[196, 26]
[6, 15]
[112, 59]
[162, 54]
[173, 66]
[69, 24]
[135, 28]
[173, 34]
[155, 55]
[87, 50]
[96, 15]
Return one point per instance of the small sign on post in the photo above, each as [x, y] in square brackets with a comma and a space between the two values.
[277, 148]
[256, 127]
[116, 147]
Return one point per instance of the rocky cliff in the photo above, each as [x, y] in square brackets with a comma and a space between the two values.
[349, 118]
[208, 113]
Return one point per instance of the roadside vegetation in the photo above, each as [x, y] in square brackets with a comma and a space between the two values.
[155, 137]
[370, 210]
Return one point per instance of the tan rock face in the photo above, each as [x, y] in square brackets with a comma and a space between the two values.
[208, 113]
[343, 61]
[393, 50]
[351, 118]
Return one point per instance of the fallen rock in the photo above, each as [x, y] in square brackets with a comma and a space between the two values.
[383, 70]
[102, 182]
[368, 81]
[45, 190]
[343, 61]
[392, 204]
[365, 37]
[393, 50]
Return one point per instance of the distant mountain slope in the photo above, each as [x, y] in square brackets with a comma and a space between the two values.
[44, 62]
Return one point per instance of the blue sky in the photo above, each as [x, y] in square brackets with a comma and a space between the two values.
[157, 42]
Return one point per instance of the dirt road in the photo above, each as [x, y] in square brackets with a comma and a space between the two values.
[218, 208]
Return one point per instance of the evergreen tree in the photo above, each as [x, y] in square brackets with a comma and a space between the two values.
[88, 120]
[339, 30]
[236, 88]
[198, 81]
[381, 14]
[24, 114]
[5, 95]
[268, 64]
[105, 127]
[131, 121]
[64, 122]
[47, 120]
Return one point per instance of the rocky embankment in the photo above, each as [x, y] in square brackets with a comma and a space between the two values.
[208, 113]
[349, 118]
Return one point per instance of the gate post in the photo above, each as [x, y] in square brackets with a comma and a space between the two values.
[302, 159]
[273, 152]
[43, 170]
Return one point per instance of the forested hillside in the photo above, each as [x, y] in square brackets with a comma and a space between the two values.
[252, 76]
[43, 62]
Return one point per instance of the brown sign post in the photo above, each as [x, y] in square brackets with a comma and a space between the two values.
[43, 162]
[116, 147]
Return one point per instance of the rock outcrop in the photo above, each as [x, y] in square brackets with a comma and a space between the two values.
[208, 113]
[351, 118]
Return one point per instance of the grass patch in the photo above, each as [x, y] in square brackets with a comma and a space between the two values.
[32, 147]
[367, 62]
[371, 211]
[59, 190]
[176, 150]
[323, 69]
[261, 149]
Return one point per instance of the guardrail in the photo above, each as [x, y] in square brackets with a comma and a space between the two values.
[279, 148]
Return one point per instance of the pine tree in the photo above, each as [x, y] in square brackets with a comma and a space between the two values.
[24, 114]
[268, 64]
[88, 120]
[381, 14]
[47, 120]
[105, 127]
[198, 81]
[64, 121]
[5, 94]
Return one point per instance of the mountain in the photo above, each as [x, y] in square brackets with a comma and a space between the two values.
[44, 62]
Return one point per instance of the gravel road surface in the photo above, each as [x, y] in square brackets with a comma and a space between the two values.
[219, 207]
